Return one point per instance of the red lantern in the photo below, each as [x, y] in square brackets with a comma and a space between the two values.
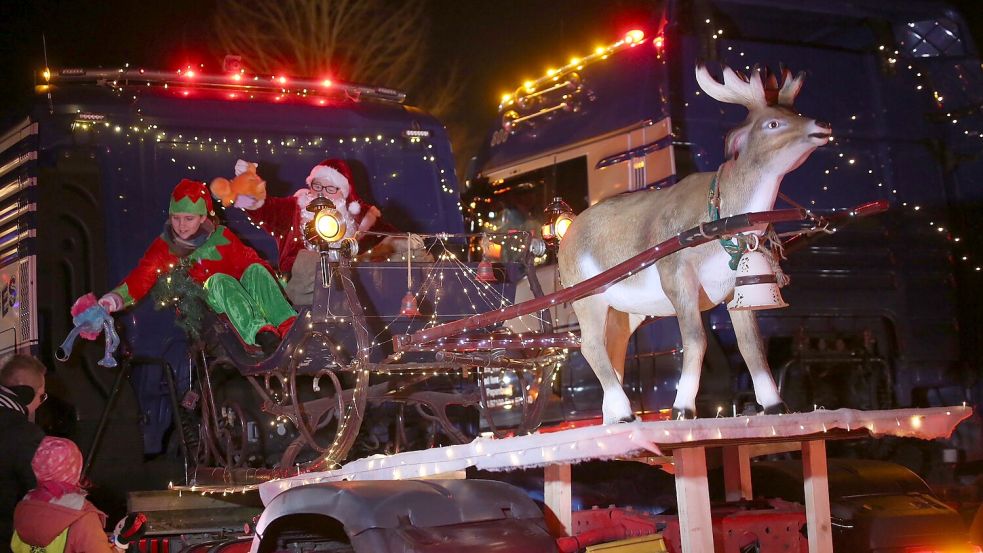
[409, 307]
[486, 273]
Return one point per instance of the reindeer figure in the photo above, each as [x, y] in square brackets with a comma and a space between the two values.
[771, 142]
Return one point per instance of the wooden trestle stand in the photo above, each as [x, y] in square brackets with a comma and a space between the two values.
[679, 444]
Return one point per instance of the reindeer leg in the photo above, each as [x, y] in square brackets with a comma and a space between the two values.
[685, 298]
[592, 313]
[752, 349]
[694, 347]
[618, 329]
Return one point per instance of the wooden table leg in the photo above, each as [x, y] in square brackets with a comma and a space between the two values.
[693, 500]
[816, 480]
[557, 496]
[737, 472]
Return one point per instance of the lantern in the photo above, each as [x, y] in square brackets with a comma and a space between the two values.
[558, 217]
[327, 227]
[408, 307]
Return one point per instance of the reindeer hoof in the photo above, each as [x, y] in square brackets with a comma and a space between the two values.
[682, 414]
[627, 418]
[777, 409]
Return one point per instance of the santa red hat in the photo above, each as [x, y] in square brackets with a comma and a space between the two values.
[190, 197]
[336, 173]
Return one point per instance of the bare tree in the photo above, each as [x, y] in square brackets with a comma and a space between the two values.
[368, 41]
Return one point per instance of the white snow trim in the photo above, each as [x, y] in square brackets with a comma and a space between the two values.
[329, 175]
[623, 440]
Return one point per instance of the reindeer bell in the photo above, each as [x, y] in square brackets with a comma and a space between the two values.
[408, 307]
[756, 286]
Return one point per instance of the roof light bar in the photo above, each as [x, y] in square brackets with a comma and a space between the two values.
[530, 87]
[235, 81]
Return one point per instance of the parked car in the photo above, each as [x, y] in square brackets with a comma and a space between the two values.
[876, 507]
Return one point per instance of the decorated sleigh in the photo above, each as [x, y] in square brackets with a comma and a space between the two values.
[349, 361]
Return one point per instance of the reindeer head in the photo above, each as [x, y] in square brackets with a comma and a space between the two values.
[773, 137]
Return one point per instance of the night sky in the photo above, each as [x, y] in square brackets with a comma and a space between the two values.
[499, 43]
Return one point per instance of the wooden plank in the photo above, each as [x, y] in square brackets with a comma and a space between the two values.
[558, 499]
[773, 448]
[693, 500]
[816, 480]
[737, 472]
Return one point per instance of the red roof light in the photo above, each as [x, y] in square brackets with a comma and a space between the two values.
[634, 36]
[326, 83]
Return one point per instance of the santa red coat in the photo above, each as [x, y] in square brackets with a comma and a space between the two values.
[223, 252]
[281, 217]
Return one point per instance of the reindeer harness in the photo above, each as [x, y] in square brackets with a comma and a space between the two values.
[737, 245]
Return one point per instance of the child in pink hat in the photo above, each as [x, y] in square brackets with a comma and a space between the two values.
[55, 517]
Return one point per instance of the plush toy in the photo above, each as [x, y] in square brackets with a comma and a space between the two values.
[90, 318]
[246, 182]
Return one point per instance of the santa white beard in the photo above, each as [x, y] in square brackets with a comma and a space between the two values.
[305, 197]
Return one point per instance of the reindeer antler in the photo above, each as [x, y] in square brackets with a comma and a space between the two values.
[790, 87]
[736, 88]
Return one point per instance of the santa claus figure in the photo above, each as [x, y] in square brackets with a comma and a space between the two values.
[286, 218]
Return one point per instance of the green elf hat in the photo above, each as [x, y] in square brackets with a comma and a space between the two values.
[192, 197]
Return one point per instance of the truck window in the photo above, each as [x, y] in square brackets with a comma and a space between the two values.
[930, 38]
[517, 203]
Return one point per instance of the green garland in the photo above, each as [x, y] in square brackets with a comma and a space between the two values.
[177, 290]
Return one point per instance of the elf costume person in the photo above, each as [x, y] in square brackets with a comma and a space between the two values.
[236, 281]
[286, 218]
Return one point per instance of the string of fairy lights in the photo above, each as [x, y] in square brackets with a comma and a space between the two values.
[614, 441]
[178, 141]
[848, 153]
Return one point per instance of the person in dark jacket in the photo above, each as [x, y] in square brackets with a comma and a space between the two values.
[21, 393]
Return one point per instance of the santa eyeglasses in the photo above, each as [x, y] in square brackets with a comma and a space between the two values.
[318, 186]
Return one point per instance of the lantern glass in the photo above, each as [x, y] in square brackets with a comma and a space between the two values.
[558, 217]
[563, 223]
[329, 225]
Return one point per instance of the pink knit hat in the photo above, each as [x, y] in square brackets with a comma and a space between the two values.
[57, 465]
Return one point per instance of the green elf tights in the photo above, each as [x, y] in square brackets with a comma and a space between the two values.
[250, 303]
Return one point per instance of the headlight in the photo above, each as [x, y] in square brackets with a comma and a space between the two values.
[326, 228]
[329, 225]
